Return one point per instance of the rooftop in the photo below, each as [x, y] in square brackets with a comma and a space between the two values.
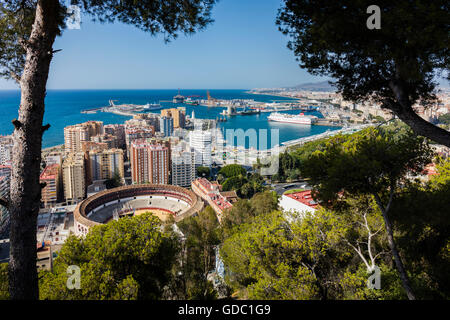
[50, 172]
[304, 197]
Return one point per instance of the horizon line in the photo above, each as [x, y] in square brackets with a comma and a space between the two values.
[181, 89]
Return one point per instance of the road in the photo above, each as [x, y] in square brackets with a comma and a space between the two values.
[281, 188]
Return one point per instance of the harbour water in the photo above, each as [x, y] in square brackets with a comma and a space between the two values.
[63, 107]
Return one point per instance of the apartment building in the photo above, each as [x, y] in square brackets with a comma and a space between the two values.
[150, 162]
[118, 131]
[201, 142]
[6, 146]
[183, 166]
[5, 180]
[76, 134]
[177, 114]
[51, 176]
[104, 164]
[74, 179]
[166, 126]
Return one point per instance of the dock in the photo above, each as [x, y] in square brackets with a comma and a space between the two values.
[328, 123]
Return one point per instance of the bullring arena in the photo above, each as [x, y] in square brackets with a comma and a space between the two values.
[161, 200]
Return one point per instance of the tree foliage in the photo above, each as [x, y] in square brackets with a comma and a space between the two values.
[203, 172]
[232, 170]
[4, 292]
[202, 236]
[421, 216]
[28, 29]
[244, 211]
[366, 162]
[235, 177]
[115, 182]
[307, 258]
[126, 259]
[396, 65]
[371, 162]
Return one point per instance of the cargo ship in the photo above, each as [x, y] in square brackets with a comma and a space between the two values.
[191, 102]
[292, 118]
[246, 111]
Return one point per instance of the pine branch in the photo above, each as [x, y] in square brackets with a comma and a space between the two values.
[15, 76]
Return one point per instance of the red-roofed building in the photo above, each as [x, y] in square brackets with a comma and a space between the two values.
[210, 192]
[298, 202]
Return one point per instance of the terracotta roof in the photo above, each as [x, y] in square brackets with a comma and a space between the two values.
[304, 197]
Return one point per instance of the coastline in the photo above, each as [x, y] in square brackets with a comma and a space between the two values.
[273, 94]
[53, 148]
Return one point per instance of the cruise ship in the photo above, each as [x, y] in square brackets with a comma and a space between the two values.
[152, 107]
[292, 118]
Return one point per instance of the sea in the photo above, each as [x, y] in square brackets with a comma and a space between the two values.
[63, 108]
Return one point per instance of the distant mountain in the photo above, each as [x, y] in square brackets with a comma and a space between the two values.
[314, 86]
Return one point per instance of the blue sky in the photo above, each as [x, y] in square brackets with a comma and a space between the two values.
[241, 49]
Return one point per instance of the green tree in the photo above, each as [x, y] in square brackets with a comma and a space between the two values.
[126, 259]
[28, 30]
[244, 211]
[232, 170]
[115, 182]
[202, 236]
[396, 65]
[254, 184]
[264, 202]
[420, 213]
[445, 118]
[203, 172]
[270, 258]
[4, 293]
[234, 183]
[371, 162]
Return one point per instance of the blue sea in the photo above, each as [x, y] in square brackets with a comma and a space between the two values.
[63, 108]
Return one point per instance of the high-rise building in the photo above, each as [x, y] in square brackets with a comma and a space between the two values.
[5, 170]
[95, 127]
[74, 177]
[54, 158]
[51, 177]
[117, 130]
[166, 126]
[178, 115]
[107, 138]
[201, 142]
[144, 120]
[92, 145]
[149, 162]
[183, 166]
[105, 164]
[6, 145]
[137, 133]
[76, 134]
[5, 180]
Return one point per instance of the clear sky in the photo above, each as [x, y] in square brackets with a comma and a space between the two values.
[241, 49]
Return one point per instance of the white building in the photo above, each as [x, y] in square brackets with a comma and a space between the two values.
[183, 165]
[297, 203]
[201, 142]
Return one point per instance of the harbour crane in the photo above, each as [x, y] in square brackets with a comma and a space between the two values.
[211, 100]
